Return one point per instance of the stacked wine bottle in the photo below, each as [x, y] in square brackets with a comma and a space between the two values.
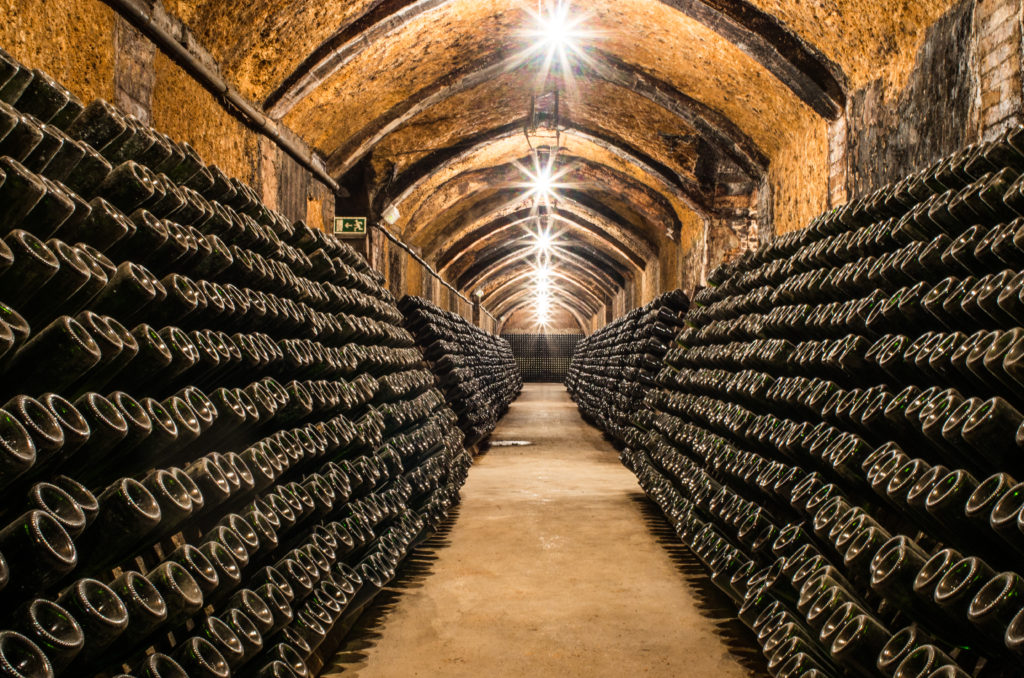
[475, 369]
[612, 369]
[218, 442]
[838, 429]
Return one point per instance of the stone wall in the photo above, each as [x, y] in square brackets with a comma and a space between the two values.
[523, 320]
[997, 26]
[182, 108]
[961, 84]
[965, 86]
[72, 40]
[96, 54]
[405, 275]
[887, 138]
[798, 175]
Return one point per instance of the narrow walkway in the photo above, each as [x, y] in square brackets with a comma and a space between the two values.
[553, 568]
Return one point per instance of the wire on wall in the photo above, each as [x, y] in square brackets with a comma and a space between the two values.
[430, 269]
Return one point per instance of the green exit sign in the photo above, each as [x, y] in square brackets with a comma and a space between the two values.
[350, 226]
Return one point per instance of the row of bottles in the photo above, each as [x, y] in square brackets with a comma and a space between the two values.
[835, 433]
[217, 441]
[476, 369]
[612, 369]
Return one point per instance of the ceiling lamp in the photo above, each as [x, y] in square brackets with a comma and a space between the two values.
[543, 181]
[556, 32]
[543, 240]
[542, 308]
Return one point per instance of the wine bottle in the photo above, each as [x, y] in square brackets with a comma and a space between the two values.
[219, 634]
[179, 590]
[101, 614]
[201, 659]
[60, 505]
[38, 552]
[22, 658]
[146, 607]
[55, 357]
[53, 630]
[128, 513]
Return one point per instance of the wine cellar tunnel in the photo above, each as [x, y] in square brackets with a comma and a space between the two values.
[547, 337]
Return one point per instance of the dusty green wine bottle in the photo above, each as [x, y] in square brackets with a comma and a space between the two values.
[54, 358]
[99, 124]
[72, 275]
[20, 141]
[38, 552]
[101, 614]
[53, 629]
[20, 192]
[179, 590]
[146, 607]
[17, 650]
[33, 265]
[128, 513]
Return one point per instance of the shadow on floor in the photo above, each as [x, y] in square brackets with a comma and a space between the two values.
[711, 602]
[365, 633]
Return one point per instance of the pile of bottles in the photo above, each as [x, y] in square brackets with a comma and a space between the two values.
[612, 369]
[475, 369]
[217, 441]
[837, 432]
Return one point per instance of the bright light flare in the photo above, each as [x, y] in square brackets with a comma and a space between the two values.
[557, 31]
[543, 182]
[543, 293]
[542, 273]
[544, 240]
[559, 35]
[542, 309]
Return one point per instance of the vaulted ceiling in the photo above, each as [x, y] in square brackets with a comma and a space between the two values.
[435, 104]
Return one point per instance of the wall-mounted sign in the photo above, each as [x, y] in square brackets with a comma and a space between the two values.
[350, 227]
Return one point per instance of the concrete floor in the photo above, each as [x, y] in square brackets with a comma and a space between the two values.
[556, 565]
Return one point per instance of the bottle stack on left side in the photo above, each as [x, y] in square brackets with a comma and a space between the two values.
[217, 441]
[475, 369]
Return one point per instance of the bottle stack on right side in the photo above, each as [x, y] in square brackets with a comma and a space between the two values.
[837, 432]
[612, 369]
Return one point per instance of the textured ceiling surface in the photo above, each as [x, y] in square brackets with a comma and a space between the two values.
[438, 106]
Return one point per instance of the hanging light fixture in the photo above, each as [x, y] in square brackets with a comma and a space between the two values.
[543, 181]
[557, 33]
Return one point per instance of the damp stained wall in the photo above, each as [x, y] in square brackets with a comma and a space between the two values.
[931, 116]
[96, 54]
[69, 39]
